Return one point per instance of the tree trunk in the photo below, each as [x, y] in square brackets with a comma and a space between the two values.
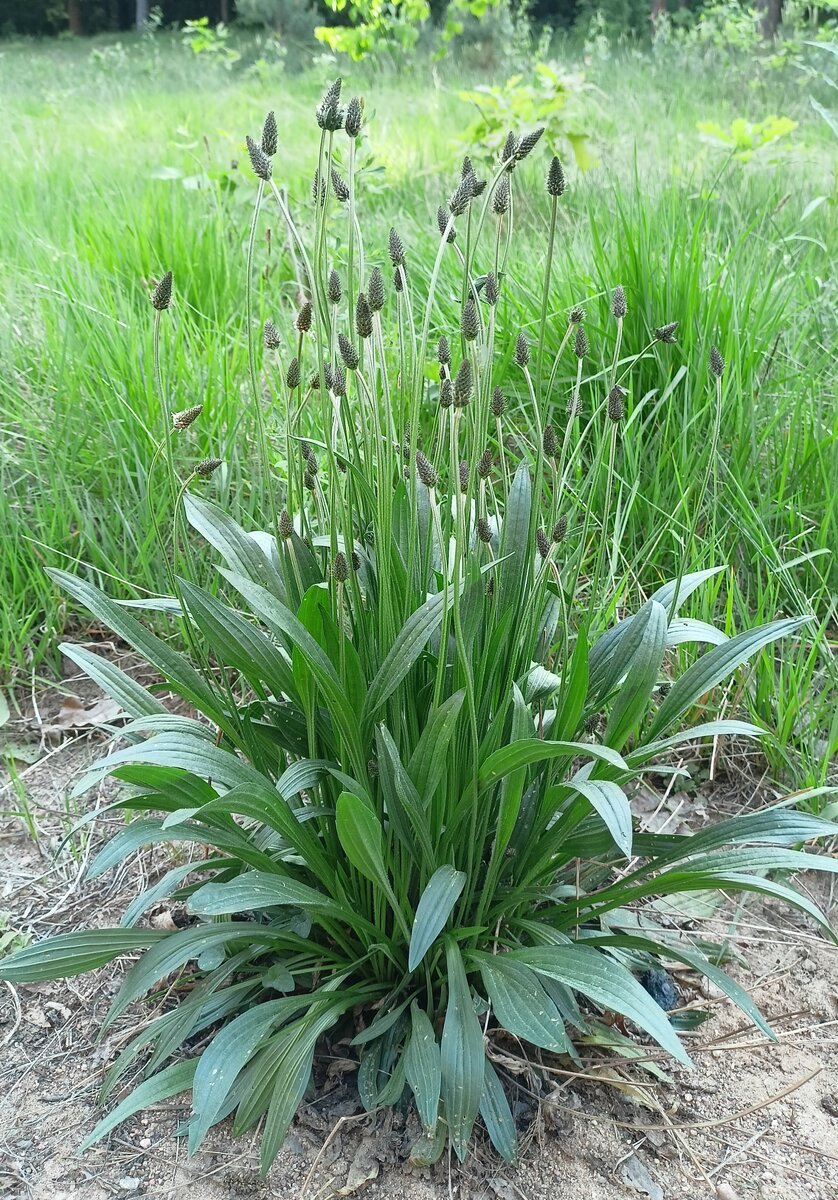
[772, 11]
[142, 14]
[74, 18]
[225, 12]
[658, 7]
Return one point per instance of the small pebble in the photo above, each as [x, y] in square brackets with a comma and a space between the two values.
[129, 1183]
[145, 1143]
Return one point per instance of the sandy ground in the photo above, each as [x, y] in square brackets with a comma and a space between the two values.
[753, 1120]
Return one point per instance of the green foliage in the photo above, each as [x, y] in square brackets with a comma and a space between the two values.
[418, 722]
[376, 27]
[746, 138]
[559, 100]
[210, 41]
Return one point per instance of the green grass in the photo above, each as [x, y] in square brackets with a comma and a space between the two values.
[91, 210]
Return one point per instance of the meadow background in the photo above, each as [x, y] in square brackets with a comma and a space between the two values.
[701, 167]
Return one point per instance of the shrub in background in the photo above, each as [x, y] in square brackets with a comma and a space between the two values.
[416, 716]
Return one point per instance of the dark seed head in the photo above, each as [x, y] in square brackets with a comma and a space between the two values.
[508, 153]
[556, 182]
[161, 297]
[396, 249]
[522, 351]
[443, 352]
[464, 476]
[329, 113]
[484, 530]
[577, 316]
[259, 160]
[286, 525]
[528, 143]
[574, 405]
[443, 217]
[463, 384]
[619, 308]
[339, 186]
[559, 530]
[206, 467]
[338, 380]
[306, 452]
[446, 393]
[328, 377]
[269, 135]
[318, 189]
[459, 199]
[375, 291]
[550, 442]
[484, 465]
[490, 586]
[666, 333]
[348, 352]
[616, 403]
[425, 471]
[541, 542]
[270, 336]
[182, 420]
[469, 320]
[309, 481]
[581, 346]
[498, 403]
[491, 289]
[340, 570]
[398, 279]
[717, 363]
[303, 321]
[354, 117]
[355, 559]
[335, 290]
[292, 375]
[500, 200]
[363, 316]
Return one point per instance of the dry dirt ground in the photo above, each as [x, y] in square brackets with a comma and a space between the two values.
[753, 1121]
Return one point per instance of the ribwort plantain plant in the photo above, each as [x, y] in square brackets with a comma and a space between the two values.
[416, 721]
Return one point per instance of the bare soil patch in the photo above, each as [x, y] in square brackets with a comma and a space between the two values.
[754, 1120]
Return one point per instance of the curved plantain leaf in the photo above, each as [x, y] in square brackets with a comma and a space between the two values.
[434, 907]
[461, 1055]
[69, 954]
[422, 1066]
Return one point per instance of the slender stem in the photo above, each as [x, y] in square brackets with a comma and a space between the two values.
[545, 295]
[251, 358]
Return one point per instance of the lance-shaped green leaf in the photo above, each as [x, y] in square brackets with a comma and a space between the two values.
[611, 803]
[69, 954]
[291, 1075]
[515, 544]
[129, 695]
[422, 1067]
[171, 1081]
[183, 750]
[716, 665]
[226, 1056]
[520, 1003]
[240, 551]
[407, 813]
[434, 907]
[497, 1115]
[641, 674]
[608, 984]
[257, 890]
[237, 642]
[405, 650]
[287, 625]
[533, 750]
[462, 1055]
[428, 762]
[174, 666]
